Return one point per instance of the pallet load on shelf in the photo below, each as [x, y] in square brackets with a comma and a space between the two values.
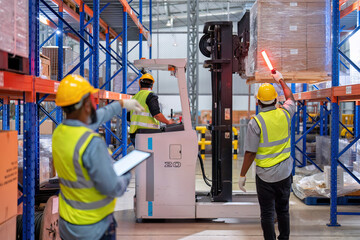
[52, 53]
[296, 36]
[8, 184]
[132, 89]
[14, 35]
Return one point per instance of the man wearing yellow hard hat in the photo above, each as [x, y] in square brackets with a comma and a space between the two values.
[152, 116]
[268, 143]
[88, 183]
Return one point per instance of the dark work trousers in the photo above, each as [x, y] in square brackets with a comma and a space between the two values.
[132, 139]
[274, 197]
[110, 233]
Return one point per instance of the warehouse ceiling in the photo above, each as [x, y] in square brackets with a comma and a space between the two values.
[168, 14]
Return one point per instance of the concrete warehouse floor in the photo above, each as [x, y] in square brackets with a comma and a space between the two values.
[307, 222]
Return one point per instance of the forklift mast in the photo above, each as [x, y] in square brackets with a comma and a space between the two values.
[227, 53]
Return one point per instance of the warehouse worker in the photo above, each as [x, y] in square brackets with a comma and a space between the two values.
[268, 143]
[88, 183]
[151, 117]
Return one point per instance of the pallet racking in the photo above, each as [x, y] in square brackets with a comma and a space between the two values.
[330, 96]
[31, 90]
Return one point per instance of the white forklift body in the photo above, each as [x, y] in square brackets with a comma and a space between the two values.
[165, 183]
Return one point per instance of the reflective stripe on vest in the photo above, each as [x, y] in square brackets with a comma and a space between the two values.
[274, 144]
[144, 119]
[80, 202]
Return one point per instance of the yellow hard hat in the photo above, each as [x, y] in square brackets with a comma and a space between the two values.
[72, 89]
[266, 93]
[147, 76]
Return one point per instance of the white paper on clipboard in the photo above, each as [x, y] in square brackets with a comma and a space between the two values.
[130, 161]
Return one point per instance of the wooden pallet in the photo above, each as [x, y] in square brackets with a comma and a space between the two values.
[9, 62]
[292, 77]
[344, 200]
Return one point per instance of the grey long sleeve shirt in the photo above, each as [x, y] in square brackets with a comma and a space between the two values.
[98, 163]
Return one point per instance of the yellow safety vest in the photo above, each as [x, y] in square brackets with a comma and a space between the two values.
[143, 119]
[79, 201]
[274, 144]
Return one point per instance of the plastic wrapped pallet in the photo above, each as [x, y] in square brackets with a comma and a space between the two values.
[323, 153]
[46, 170]
[14, 27]
[316, 185]
[296, 36]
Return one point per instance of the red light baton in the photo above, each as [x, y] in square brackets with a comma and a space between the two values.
[268, 63]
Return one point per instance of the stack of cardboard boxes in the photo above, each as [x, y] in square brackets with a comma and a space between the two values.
[14, 27]
[296, 36]
[8, 184]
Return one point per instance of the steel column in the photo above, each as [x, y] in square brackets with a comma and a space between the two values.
[82, 33]
[334, 112]
[30, 128]
[107, 84]
[124, 79]
[29, 163]
[96, 28]
[357, 118]
[326, 120]
[91, 62]
[60, 45]
[193, 58]
[6, 114]
[321, 119]
[140, 33]
[150, 29]
[304, 117]
[17, 116]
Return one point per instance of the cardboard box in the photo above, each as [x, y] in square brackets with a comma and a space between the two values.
[293, 59]
[316, 59]
[294, 35]
[8, 229]
[8, 175]
[316, 14]
[316, 36]
[45, 66]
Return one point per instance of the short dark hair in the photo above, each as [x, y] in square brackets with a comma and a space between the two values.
[72, 108]
[262, 105]
[146, 83]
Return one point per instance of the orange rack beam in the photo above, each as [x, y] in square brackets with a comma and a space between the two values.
[349, 9]
[13, 85]
[133, 16]
[315, 96]
[347, 93]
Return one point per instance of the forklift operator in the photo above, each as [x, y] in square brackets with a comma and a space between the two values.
[268, 143]
[152, 116]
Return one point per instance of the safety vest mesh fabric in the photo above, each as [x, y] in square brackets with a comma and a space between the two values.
[144, 119]
[274, 144]
[80, 202]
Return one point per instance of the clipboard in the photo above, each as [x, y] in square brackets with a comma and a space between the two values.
[130, 161]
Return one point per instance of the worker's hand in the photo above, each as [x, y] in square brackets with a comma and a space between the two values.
[277, 76]
[242, 181]
[132, 105]
[171, 121]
